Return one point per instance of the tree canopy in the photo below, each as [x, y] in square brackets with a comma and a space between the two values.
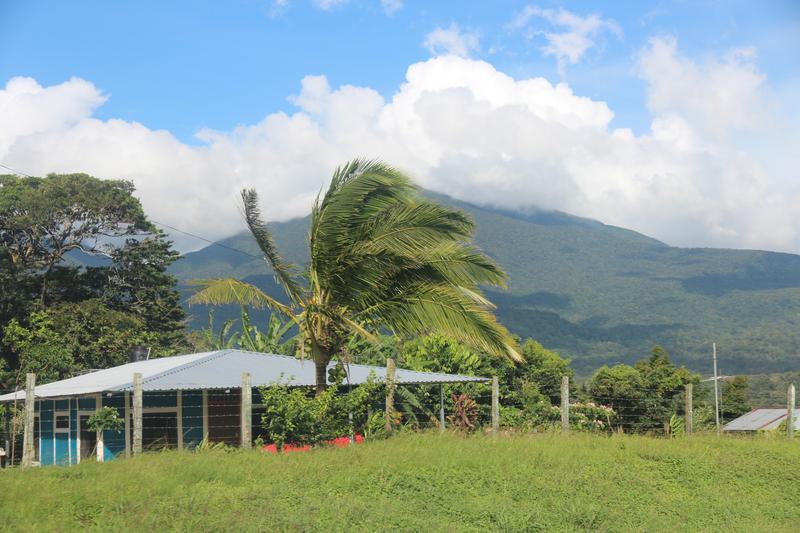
[83, 277]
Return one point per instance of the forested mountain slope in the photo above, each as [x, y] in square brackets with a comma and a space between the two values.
[598, 293]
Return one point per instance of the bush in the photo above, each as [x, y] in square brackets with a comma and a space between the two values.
[295, 415]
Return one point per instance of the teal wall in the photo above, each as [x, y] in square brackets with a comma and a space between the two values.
[46, 431]
[114, 441]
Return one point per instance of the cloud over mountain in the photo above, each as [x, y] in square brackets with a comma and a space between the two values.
[458, 126]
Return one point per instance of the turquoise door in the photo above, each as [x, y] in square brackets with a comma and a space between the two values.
[61, 438]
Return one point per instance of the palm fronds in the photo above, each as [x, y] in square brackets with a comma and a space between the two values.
[222, 291]
[284, 271]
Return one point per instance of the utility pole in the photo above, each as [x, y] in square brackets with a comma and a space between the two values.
[716, 389]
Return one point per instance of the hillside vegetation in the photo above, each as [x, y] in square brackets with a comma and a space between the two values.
[425, 482]
[599, 294]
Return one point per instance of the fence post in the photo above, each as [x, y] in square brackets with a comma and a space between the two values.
[100, 447]
[137, 413]
[495, 406]
[565, 404]
[390, 386]
[247, 411]
[688, 409]
[790, 404]
[27, 437]
[441, 407]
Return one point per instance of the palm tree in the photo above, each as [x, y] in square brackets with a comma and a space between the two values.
[382, 256]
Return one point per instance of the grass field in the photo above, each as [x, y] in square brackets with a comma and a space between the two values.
[426, 482]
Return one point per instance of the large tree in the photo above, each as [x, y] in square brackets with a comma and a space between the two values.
[381, 255]
[77, 249]
[43, 219]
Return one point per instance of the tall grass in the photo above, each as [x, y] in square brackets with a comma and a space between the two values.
[426, 482]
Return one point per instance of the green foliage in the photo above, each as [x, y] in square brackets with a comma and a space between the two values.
[293, 415]
[437, 353]
[600, 294]
[645, 395]
[249, 337]
[138, 284]
[734, 398]
[381, 255]
[74, 336]
[83, 276]
[769, 390]
[106, 419]
[426, 482]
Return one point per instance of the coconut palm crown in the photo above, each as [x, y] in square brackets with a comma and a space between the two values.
[381, 256]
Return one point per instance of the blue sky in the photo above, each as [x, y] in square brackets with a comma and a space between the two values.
[189, 67]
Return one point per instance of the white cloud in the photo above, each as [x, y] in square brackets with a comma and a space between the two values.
[327, 5]
[452, 40]
[390, 7]
[576, 36]
[717, 96]
[458, 126]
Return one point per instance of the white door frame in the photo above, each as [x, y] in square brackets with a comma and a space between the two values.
[56, 429]
[88, 412]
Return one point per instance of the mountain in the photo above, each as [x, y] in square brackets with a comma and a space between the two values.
[597, 293]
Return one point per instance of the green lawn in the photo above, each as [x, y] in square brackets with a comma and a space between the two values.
[426, 482]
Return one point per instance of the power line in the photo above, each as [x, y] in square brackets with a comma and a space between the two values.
[173, 228]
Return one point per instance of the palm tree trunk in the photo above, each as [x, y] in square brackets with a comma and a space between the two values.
[321, 359]
[321, 369]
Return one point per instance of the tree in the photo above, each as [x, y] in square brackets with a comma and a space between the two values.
[644, 395]
[381, 255]
[43, 219]
[70, 337]
[77, 248]
[734, 398]
[138, 283]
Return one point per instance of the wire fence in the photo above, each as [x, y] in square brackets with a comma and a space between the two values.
[189, 418]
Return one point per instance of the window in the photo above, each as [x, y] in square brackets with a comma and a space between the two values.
[62, 421]
[159, 429]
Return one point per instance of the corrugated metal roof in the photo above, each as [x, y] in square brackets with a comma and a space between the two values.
[761, 419]
[219, 370]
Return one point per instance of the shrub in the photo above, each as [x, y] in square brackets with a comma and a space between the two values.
[106, 418]
[295, 415]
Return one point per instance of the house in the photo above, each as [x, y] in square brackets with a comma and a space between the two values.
[185, 399]
[762, 420]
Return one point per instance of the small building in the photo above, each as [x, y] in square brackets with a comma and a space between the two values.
[762, 420]
[186, 399]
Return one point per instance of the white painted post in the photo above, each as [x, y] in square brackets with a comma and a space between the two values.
[688, 409]
[127, 398]
[495, 406]
[137, 413]
[790, 405]
[565, 404]
[247, 411]
[716, 389]
[28, 449]
[98, 405]
[390, 386]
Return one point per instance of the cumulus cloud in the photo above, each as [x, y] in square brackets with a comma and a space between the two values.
[574, 36]
[327, 5]
[458, 126]
[716, 95]
[452, 40]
